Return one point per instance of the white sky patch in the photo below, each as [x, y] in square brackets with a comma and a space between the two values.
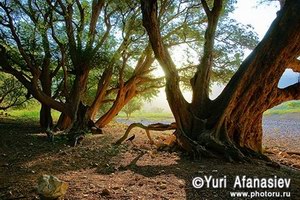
[288, 78]
[258, 16]
[179, 57]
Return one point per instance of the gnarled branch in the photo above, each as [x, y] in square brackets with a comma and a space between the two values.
[151, 127]
[295, 65]
[279, 96]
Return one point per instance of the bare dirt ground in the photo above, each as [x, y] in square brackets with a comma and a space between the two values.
[96, 169]
[282, 138]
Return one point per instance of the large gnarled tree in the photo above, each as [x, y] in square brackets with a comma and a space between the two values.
[54, 47]
[230, 125]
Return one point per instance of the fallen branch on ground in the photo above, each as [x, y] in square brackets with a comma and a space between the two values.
[151, 127]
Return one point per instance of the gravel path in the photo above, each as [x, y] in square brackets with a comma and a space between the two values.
[282, 132]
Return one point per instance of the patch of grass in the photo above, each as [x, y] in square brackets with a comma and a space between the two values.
[281, 112]
[24, 113]
[148, 115]
[285, 108]
[30, 113]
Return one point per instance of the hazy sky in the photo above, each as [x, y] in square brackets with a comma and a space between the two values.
[247, 12]
[261, 17]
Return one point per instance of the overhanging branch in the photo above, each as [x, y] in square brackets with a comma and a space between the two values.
[289, 93]
[295, 65]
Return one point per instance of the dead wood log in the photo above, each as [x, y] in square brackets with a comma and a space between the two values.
[151, 127]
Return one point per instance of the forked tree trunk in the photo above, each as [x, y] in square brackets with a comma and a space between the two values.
[125, 94]
[230, 125]
[74, 101]
[127, 90]
[102, 87]
[46, 120]
[64, 122]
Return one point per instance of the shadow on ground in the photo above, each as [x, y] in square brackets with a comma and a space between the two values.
[98, 170]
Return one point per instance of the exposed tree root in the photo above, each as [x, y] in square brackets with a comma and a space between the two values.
[95, 130]
[75, 137]
[205, 146]
[151, 127]
[208, 146]
[233, 153]
[252, 154]
[195, 149]
[50, 135]
[75, 134]
[293, 153]
[77, 140]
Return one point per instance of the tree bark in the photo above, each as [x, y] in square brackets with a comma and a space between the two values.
[253, 89]
[46, 120]
[64, 122]
[174, 95]
[125, 94]
[74, 100]
[101, 93]
[126, 90]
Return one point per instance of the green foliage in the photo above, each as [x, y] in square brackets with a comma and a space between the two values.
[188, 28]
[232, 40]
[293, 104]
[30, 111]
[182, 23]
[157, 116]
[12, 93]
[134, 104]
[285, 108]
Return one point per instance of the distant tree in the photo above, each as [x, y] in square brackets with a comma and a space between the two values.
[157, 109]
[12, 92]
[133, 105]
[281, 2]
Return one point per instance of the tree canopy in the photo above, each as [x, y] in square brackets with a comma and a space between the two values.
[96, 52]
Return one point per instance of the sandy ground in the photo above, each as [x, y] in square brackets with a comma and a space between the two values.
[281, 136]
[96, 169]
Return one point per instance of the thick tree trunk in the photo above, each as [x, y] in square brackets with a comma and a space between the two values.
[231, 125]
[74, 101]
[64, 122]
[253, 89]
[82, 120]
[46, 120]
